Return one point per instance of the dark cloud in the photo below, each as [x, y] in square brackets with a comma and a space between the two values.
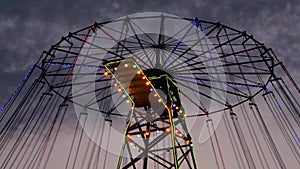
[29, 27]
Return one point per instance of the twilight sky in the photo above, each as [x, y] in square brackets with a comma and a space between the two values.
[29, 27]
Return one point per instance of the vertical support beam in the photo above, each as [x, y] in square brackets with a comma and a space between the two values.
[173, 138]
[208, 124]
[268, 136]
[145, 162]
[160, 42]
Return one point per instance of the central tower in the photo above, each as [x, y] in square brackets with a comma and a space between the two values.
[156, 129]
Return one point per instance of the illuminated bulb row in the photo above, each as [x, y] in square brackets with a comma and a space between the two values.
[125, 65]
[132, 144]
[106, 72]
[133, 66]
[144, 77]
[177, 132]
[147, 133]
[120, 90]
[176, 107]
[189, 142]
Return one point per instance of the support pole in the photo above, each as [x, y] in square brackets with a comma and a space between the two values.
[242, 140]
